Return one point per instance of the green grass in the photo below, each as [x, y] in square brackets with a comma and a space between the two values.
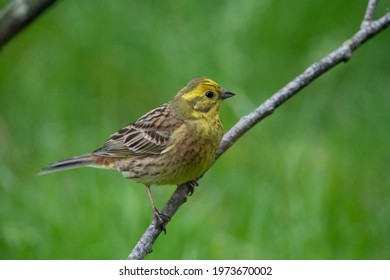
[310, 182]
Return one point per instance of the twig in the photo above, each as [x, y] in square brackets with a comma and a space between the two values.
[17, 15]
[341, 54]
[370, 11]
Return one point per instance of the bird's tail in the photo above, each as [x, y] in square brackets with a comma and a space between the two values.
[79, 161]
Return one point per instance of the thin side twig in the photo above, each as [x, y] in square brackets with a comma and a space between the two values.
[370, 11]
[341, 54]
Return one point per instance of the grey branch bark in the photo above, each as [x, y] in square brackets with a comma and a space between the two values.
[343, 53]
[17, 15]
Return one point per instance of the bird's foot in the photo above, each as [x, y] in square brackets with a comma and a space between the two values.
[160, 219]
[192, 184]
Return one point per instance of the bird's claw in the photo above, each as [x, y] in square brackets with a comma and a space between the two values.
[192, 184]
[160, 219]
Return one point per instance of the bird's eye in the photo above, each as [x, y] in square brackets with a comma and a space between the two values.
[209, 94]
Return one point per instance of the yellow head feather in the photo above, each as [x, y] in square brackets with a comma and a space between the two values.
[200, 98]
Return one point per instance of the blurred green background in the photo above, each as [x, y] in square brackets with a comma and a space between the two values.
[310, 182]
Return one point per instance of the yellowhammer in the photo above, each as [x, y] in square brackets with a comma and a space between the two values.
[172, 144]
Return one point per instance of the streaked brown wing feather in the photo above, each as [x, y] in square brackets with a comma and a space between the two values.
[150, 135]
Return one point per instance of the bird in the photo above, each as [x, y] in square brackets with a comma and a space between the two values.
[172, 144]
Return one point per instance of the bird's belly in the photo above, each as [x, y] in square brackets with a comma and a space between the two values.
[177, 166]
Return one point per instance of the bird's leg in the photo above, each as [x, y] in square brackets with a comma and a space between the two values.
[160, 218]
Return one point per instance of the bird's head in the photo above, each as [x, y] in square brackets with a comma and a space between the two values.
[200, 98]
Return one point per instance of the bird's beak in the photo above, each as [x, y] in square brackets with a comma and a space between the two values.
[226, 94]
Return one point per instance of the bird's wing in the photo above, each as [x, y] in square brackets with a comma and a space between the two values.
[150, 135]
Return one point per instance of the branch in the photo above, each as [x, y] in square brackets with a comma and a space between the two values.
[343, 53]
[17, 15]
